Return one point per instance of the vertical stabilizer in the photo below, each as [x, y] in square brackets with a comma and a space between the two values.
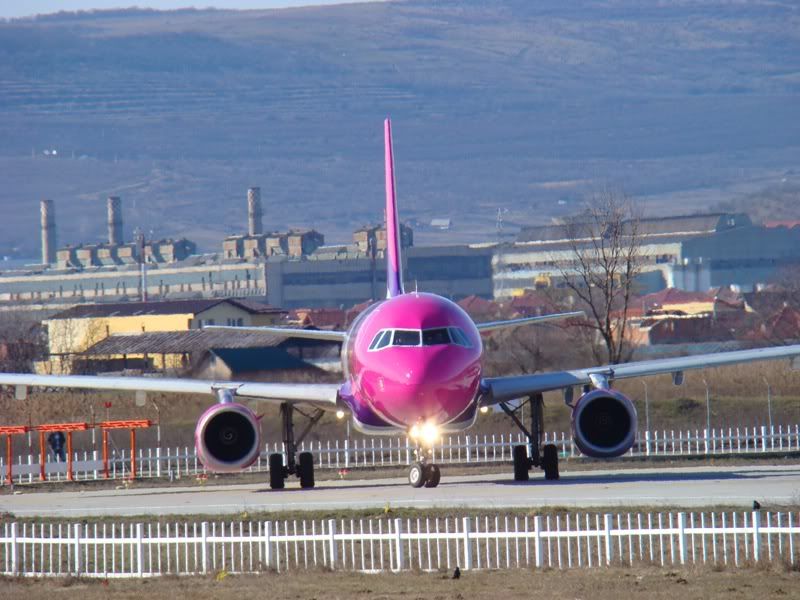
[394, 260]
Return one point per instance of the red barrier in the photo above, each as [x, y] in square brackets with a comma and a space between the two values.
[66, 427]
[133, 425]
[69, 428]
[8, 431]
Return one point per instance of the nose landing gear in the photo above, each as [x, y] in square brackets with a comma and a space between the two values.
[423, 473]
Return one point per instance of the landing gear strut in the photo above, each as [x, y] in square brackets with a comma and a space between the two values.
[422, 472]
[299, 464]
[529, 456]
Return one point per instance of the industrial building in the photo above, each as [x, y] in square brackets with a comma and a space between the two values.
[295, 269]
[691, 252]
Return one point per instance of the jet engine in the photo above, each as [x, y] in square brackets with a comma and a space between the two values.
[227, 437]
[604, 423]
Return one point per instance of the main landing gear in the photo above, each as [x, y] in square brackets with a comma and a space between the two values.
[299, 464]
[422, 472]
[529, 456]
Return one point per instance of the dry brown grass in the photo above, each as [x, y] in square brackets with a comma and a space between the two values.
[738, 397]
[589, 584]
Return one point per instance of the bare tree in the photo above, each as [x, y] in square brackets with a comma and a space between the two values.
[21, 342]
[604, 244]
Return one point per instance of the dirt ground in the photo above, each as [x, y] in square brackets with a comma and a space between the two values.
[591, 584]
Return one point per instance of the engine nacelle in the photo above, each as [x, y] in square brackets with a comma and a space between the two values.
[604, 423]
[227, 437]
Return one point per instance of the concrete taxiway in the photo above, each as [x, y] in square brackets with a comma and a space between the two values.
[620, 488]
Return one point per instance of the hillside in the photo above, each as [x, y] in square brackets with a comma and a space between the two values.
[516, 105]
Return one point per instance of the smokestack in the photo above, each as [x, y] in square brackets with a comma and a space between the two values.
[254, 214]
[114, 220]
[48, 232]
[138, 238]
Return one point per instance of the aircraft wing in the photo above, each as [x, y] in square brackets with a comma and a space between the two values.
[292, 332]
[502, 389]
[322, 395]
[493, 325]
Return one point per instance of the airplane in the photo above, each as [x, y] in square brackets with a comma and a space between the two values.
[411, 364]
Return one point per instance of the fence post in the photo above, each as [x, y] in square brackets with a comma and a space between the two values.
[756, 535]
[158, 462]
[763, 438]
[682, 537]
[332, 543]
[467, 545]
[347, 454]
[268, 543]
[466, 441]
[204, 547]
[14, 549]
[398, 543]
[139, 549]
[705, 439]
[537, 539]
[647, 443]
[76, 543]
[609, 526]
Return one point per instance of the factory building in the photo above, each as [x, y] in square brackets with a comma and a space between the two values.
[343, 276]
[294, 269]
[256, 244]
[693, 253]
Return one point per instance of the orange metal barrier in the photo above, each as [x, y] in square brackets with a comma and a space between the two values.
[133, 425]
[9, 431]
[69, 428]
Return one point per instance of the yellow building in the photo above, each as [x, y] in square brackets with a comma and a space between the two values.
[73, 331]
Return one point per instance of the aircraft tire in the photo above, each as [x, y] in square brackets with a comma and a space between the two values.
[433, 476]
[416, 475]
[550, 462]
[276, 473]
[521, 463]
[306, 469]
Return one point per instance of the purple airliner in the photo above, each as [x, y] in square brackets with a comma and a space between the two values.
[412, 365]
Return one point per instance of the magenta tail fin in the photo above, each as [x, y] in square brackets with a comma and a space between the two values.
[394, 259]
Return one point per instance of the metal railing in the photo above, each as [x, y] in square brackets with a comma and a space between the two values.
[125, 550]
[387, 452]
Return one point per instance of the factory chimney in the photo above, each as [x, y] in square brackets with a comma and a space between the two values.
[114, 220]
[48, 232]
[254, 214]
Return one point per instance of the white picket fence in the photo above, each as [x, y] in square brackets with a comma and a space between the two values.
[384, 451]
[562, 541]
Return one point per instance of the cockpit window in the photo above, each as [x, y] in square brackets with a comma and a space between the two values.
[459, 337]
[435, 337]
[406, 337]
[439, 336]
[381, 339]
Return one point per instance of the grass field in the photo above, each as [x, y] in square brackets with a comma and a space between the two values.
[737, 398]
[597, 584]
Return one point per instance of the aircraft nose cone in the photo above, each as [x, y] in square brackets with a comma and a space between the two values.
[437, 389]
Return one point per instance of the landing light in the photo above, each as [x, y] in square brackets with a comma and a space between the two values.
[426, 433]
[484, 410]
[340, 414]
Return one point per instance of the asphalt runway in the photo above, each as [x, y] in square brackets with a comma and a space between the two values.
[615, 489]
